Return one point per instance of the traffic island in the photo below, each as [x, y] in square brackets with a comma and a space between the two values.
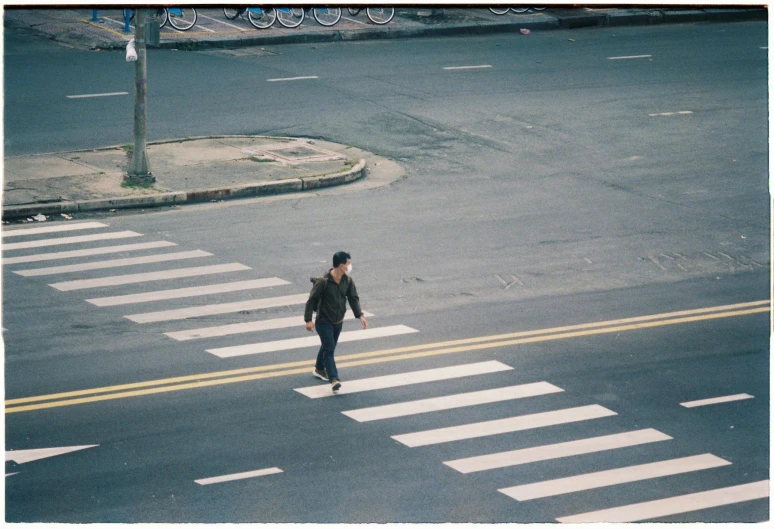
[186, 170]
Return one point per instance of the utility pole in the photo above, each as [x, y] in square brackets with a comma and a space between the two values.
[139, 171]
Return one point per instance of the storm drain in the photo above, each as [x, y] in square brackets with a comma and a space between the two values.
[291, 154]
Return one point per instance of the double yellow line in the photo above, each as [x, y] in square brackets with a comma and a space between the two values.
[386, 355]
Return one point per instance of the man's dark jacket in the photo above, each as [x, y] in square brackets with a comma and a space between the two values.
[334, 299]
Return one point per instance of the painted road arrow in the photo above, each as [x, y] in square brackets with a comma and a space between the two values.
[25, 456]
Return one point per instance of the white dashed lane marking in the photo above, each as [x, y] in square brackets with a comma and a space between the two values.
[405, 379]
[499, 426]
[53, 256]
[616, 476]
[309, 341]
[716, 400]
[113, 263]
[148, 276]
[70, 240]
[449, 402]
[674, 505]
[556, 451]
[158, 295]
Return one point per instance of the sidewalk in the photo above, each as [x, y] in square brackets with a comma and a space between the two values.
[76, 27]
[186, 171]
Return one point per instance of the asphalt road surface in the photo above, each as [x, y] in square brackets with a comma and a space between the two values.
[576, 259]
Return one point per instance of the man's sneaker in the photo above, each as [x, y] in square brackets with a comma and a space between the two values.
[336, 384]
[322, 375]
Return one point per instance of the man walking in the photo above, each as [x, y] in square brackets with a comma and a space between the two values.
[329, 297]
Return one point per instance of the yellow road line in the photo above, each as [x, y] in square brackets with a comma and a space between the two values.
[363, 359]
[383, 352]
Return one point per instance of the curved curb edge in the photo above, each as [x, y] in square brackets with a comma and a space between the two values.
[174, 198]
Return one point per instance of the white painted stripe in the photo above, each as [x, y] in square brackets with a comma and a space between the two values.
[148, 276]
[630, 57]
[716, 400]
[250, 326]
[405, 379]
[467, 67]
[70, 240]
[616, 476]
[113, 263]
[241, 475]
[25, 456]
[33, 258]
[221, 22]
[556, 451]
[309, 341]
[107, 94]
[158, 295]
[11, 474]
[681, 112]
[449, 402]
[221, 308]
[293, 78]
[511, 424]
[675, 505]
[53, 228]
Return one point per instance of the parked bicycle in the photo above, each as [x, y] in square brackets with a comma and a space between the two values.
[520, 9]
[377, 15]
[264, 17]
[181, 19]
[259, 17]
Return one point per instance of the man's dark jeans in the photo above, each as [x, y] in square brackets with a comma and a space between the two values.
[329, 337]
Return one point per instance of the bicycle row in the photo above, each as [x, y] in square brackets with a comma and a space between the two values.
[292, 17]
[183, 19]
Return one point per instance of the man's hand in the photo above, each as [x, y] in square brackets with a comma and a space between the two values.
[310, 326]
[364, 322]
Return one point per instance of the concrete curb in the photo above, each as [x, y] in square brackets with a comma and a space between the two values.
[174, 198]
[582, 20]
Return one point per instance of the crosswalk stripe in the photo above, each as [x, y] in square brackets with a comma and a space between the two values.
[176, 293]
[716, 400]
[54, 256]
[148, 276]
[70, 240]
[112, 263]
[556, 450]
[220, 308]
[675, 505]
[53, 228]
[405, 379]
[308, 341]
[511, 424]
[241, 475]
[616, 476]
[250, 326]
[449, 402]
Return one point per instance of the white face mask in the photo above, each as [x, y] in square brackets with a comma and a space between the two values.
[349, 268]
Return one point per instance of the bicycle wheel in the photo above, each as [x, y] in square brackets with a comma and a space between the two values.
[327, 16]
[498, 10]
[231, 12]
[353, 10]
[539, 8]
[520, 9]
[261, 17]
[159, 15]
[380, 15]
[182, 19]
[290, 17]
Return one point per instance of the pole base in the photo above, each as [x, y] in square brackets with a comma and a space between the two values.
[144, 180]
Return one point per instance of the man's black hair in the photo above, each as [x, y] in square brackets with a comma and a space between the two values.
[339, 258]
